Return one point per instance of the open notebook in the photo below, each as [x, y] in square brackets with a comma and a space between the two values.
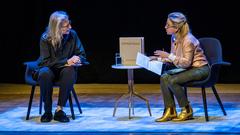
[151, 65]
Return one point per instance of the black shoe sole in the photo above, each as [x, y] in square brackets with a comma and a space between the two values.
[58, 119]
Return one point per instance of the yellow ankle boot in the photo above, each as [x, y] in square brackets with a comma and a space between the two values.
[168, 114]
[186, 114]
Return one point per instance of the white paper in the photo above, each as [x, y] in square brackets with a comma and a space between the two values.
[153, 65]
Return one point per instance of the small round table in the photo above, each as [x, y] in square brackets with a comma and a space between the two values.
[131, 91]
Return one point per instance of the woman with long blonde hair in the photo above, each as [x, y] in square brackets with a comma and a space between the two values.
[60, 52]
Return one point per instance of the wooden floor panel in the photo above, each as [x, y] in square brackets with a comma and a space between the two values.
[113, 88]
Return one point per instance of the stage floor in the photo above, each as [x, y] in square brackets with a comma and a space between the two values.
[104, 95]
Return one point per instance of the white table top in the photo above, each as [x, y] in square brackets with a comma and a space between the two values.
[125, 67]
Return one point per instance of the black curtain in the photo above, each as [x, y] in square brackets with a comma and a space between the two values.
[99, 24]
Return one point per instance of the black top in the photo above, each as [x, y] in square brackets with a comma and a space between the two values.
[57, 57]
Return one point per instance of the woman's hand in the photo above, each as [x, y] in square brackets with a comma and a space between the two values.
[153, 58]
[74, 60]
[161, 53]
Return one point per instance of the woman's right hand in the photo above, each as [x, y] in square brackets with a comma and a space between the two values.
[153, 58]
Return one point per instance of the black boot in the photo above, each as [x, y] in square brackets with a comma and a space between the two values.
[61, 116]
[46, 117]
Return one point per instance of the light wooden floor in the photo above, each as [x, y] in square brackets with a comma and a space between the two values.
[113, 88]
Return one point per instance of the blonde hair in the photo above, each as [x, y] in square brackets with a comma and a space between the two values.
[54, 32]
[180, 21]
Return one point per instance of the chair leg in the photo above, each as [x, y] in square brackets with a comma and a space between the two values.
[76, 100]
[30, 102]
[40, 103]
[219, 100]
[205, 103]
[71, 106]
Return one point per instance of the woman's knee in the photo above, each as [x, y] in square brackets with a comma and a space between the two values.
[69, 72]
[164, 77]
[172, 81]
[45, 73]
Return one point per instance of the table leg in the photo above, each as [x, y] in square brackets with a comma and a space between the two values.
[146, 100]
[130, 90]
[131, 93]
[116, 103]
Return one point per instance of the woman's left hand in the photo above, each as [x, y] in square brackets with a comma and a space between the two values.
[161, 53]
[74, 60]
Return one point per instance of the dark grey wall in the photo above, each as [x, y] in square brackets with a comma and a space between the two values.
[100, 24]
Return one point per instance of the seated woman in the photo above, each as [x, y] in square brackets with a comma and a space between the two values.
[187, 55]
[60, 52]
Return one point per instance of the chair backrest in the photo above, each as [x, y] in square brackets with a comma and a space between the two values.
[30, 67]
[212, 49]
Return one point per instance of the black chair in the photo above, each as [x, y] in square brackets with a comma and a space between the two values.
[213, 51]
[30, 68]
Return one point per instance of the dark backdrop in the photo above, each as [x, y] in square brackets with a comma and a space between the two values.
[100, 23]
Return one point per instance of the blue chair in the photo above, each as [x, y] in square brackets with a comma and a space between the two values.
[30, 68]
[213, 51]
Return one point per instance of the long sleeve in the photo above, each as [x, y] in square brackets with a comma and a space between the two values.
[79, 49]
[185, 59]
[57, 57]
[45, 56]
[188, 53]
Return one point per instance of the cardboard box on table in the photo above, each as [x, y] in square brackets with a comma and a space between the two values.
[129, 47]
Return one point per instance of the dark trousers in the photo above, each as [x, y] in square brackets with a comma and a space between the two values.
[66, 77]
[171, 85]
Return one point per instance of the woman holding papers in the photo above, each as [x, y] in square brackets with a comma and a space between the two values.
[187, 55]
